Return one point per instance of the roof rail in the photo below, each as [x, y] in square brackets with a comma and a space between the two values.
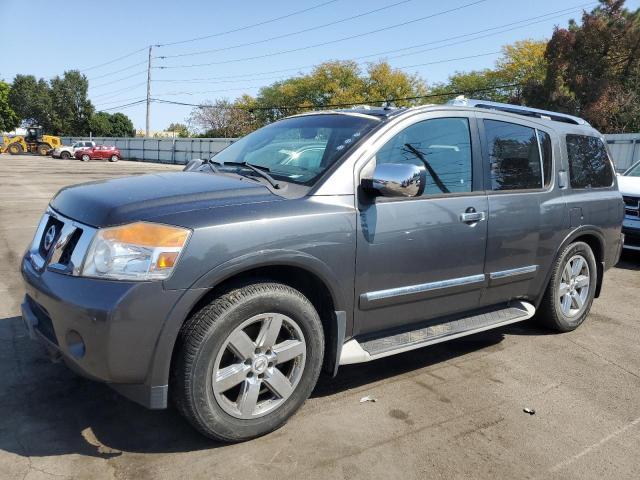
[461, 101]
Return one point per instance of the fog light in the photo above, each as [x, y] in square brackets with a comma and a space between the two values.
[75, 344]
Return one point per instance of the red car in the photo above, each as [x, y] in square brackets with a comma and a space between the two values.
[101, 152]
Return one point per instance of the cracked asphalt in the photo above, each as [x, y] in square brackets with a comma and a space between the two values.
[450, 411]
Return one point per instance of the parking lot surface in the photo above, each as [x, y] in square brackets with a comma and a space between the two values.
[450, 411]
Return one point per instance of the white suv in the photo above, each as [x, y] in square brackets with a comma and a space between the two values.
[69, 151]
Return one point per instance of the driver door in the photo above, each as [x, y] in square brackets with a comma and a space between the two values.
[417, 258]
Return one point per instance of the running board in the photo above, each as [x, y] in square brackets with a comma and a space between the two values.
[356, 352]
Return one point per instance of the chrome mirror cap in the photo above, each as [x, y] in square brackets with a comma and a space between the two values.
[396, 180]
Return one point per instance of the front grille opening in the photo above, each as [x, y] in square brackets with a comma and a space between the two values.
[45, 325]
[58, 225]
[65, 258]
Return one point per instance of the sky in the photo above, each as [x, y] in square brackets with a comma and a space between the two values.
[433, 39]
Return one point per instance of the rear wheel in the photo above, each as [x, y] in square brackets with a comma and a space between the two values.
[15, 149]
[65, 155]
[113, 158]
[43, 149]
[571, 290]
[85, 158]
[247, 361]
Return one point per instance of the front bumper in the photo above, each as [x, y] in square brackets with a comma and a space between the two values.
[631, 230]
[105, 330]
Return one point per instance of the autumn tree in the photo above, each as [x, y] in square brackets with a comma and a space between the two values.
[594, 69]
[180, 129]
[224, 118]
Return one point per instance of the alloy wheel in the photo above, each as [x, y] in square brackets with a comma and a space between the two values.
[259, 366]
[573, 291]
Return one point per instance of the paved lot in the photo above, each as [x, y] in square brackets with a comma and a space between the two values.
[451, 411]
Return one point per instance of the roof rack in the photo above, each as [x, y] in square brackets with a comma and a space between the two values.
[461, 101]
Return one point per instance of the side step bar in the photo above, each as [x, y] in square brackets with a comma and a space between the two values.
[356, 352]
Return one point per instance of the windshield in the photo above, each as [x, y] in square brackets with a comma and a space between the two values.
[633, 171]
[299, 149]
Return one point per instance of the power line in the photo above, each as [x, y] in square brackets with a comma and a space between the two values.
[118, 71]
[550, 15]
[290, 34]
[348, 104]
[112, 93]
[331, 42]
[435, 62]
[113, 61]
[127, 105]
[246, 27]
[100, 85]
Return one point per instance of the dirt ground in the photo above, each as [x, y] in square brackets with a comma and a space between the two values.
[450, 411]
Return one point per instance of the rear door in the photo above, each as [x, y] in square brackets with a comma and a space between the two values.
[526, 212]
[417, 258]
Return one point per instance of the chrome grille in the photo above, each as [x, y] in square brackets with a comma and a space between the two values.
[631, 206]
[60, 244]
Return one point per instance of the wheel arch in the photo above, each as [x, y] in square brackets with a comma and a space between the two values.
[311, 277]
[592, 236]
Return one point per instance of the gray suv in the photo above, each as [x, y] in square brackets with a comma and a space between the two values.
[321, 240]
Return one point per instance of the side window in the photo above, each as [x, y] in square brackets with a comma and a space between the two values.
[513, 155]
[547, 154]
[442, 146]
[589, 165]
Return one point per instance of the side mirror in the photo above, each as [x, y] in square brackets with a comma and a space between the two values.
[396, 180]
[193, 165]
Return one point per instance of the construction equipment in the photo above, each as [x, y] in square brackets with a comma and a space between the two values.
[33, 142]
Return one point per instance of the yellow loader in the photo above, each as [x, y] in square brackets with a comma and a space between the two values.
[33, 142]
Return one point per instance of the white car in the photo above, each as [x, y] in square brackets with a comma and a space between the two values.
[66, 151]
[629, 186]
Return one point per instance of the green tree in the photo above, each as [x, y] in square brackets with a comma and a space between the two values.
[100, 124]
[594, 69]
[72, 110]
[180, 129]
[121, 125]
[8, 118]
[31, 100]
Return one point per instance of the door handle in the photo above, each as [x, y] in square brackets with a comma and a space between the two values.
[471, 216]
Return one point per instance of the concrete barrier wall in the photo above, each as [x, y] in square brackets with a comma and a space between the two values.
[160, 150]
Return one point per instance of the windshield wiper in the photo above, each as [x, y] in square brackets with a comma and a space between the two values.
[259, 169]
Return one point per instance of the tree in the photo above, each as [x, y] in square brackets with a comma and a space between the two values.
[521, 64]
[31, 101]
[8, 118]
[121, 125]
[180, 129]
[224, 118]
[100, 124]
[594, 69]
[72, 110]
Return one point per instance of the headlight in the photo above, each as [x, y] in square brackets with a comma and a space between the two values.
[138, 251]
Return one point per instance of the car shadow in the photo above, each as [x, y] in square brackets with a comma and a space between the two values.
[629, 260]
[47, 410]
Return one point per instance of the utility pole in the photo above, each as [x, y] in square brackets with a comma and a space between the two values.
[148, 92]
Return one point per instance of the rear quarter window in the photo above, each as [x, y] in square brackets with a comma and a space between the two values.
[589, 164]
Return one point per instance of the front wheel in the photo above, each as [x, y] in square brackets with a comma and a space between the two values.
[571, 290]
[85, 158]
[43, 149]
[65, 155]
[247, 361]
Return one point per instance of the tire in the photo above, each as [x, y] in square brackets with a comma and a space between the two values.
[566, 312]
[209, 342]
[15, 149]
[65, 155]
[43, 149]
[113, 158]
[85, 158]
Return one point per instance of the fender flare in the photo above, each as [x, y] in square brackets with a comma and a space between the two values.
[569, 238]
[160, 366]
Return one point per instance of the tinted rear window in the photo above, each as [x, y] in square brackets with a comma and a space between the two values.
[589, 165]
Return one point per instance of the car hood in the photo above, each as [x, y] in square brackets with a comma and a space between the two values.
[629, 185]
[146, 197]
